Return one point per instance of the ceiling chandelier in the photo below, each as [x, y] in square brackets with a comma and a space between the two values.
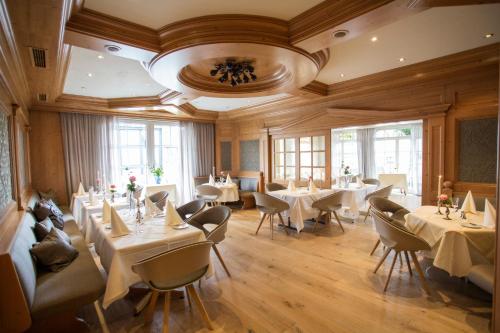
[234, 72]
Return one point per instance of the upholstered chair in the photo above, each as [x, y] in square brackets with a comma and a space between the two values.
[213, 222]
[371, 181]
[270, 206]
[399, 240]
[159, 199]
[383, 192]
[328, 206]
[208, 193]
[190, 209]
[270, 187]
[191, 263]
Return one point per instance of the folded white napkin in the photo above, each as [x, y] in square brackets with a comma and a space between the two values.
[228, 180]
[469, 206]
[211, 180]
[92, 198]
[149, 206]
[118, 227]
[106, 212]
[291, 186]
[360, 182]
[490, 215]
[312, 187]
[81, 190]
[172, 217]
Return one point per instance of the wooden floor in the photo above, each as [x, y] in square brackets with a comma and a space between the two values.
[312, 283]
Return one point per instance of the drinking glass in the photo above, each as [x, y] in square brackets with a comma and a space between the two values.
[455, 202]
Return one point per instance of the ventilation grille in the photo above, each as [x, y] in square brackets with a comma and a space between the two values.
[38, 56]
[42, 97]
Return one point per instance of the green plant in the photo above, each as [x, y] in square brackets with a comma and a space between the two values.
[157, 172]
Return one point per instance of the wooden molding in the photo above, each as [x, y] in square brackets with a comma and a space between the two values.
[316, 88]
[422, 112]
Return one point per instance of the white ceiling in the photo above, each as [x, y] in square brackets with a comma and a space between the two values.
[427, 35]
[112, 76]
[157, 13]
[228, 104]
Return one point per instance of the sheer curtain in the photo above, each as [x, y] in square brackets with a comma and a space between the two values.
[415, 176]
[87, 154]
[366, 152]
[197, 155]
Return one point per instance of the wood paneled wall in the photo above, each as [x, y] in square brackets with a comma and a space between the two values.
[466, 87]
[47, 154]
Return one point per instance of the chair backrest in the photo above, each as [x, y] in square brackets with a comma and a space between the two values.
[330, 202]
[274, 187]
[371, 181]
[248, 184]
[266, 201]
[159, 199]
[354, 178]
[191, 208]
[218, 215]
[395, 237]
[175, 268]
[383, 192]
[394, 211]
[200, 180]
[208, 190]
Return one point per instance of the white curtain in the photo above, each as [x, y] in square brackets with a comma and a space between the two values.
[366, 152]
[197, 155]
[415, 176]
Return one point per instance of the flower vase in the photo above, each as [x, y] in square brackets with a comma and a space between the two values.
[447, 213]
[112, 197]
[439, 208]
[347, 181]
[158, 180]
[130, 202]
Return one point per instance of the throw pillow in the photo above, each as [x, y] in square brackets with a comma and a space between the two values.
[50, 194]
[43, 228]
[44, 209]
[53, 252]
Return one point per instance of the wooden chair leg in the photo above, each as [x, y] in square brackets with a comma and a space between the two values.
[390, 271]
[338, 221]
[382, 260]
[166, 311]
[375, 247]
[317, 220]
[420, 272]
[260, 224]
[400, 261]
[220, 259]
[100, 315]
[150, 310]
[188, 297]
[271, 222]
[408, 263]
[367, 213]
[200, 306]
[283, 223]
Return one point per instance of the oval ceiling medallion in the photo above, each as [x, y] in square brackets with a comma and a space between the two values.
[192, 49]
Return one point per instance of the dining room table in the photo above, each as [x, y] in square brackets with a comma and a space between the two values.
[456, 244]
[300, 201]
[353, 199]
[229, 192]
[117, 254]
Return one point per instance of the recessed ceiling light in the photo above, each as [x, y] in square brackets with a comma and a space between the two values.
[489, 35]
[401, 59]
[374, 39]
[100, 56]
[112, 48]
[340, 33]
[89, 74]
[341, 74]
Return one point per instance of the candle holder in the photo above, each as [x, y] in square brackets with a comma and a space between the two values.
[447, 213]
[439, 208]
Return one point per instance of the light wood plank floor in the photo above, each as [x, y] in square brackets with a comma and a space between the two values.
[312, 283]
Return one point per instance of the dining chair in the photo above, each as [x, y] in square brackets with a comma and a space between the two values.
[396, 213]
[328, 206]
[190, 209]
[208, 193]
[188, 264]
[159, 199]
[371, 181]
[270, 187]
[206, 220]
[383, 192]
[270, 206]
[398, 240]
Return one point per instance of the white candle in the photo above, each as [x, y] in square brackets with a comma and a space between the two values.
[439, 185]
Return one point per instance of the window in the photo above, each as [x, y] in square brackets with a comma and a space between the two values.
[312, 157]
[143, 144]
[344, 150]
[284, 159]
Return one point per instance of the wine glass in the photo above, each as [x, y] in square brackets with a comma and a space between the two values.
[454, 202]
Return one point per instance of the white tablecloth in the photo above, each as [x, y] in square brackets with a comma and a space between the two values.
[119, 254]
[300, 203]
[82, 209]
[354, 196]
[454, 248]
[229, 192]
[152, 189]
[398, 180]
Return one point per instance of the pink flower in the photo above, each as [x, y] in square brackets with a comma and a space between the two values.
[97, 180]
[132, 179]
[112, 186]
[443, 197]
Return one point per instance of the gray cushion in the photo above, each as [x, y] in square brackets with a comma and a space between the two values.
[483, 276]
[43, 228]
[54, 252]
[47, 208]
